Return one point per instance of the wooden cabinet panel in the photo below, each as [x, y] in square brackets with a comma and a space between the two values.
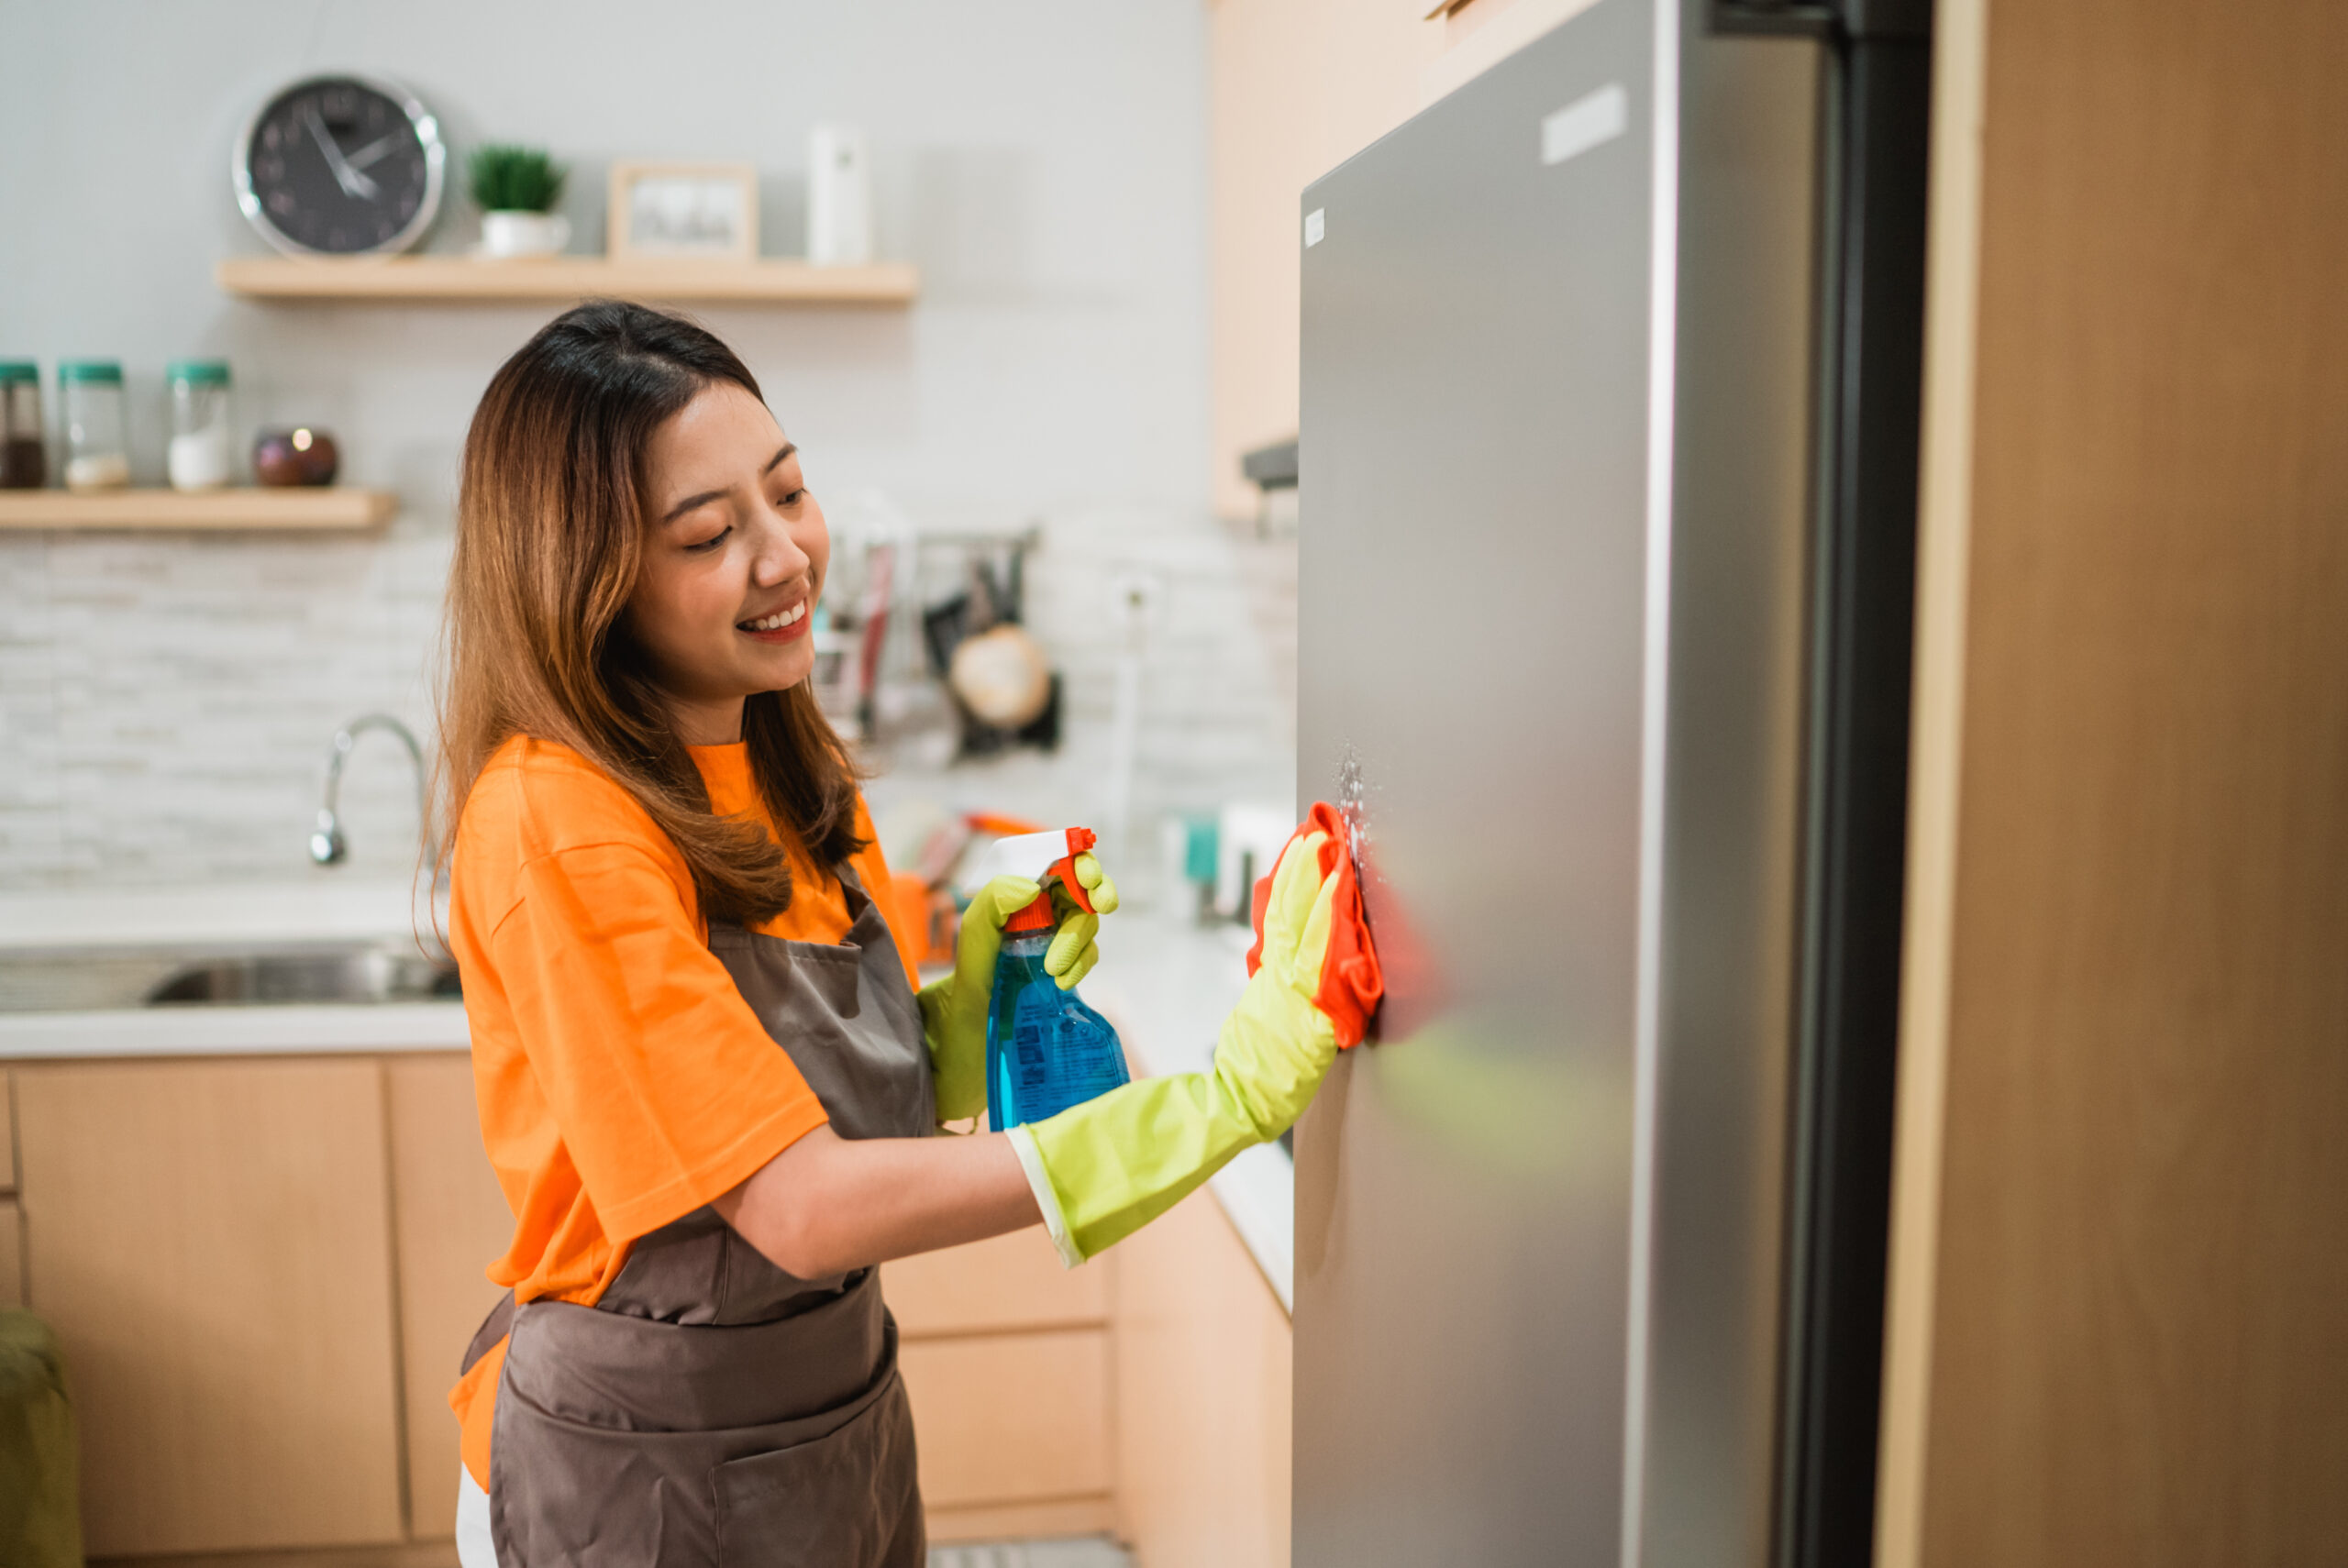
[12, 1255]
[451, 1222]
[212, 1242]
[1010, 1418]
[1010, 1282]
[8, 1133]
[1204, 1412]
[2118, 1297]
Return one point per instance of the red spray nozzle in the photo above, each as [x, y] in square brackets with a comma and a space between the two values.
[1020, 856]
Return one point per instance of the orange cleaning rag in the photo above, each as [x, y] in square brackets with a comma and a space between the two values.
[1351, 982]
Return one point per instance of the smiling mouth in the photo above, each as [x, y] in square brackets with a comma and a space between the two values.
[779, 621]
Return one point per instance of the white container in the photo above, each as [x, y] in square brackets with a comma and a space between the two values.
[201, 455]
[839, 197]
[506, 235]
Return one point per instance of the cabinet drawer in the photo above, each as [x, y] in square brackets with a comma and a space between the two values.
[1010, 1418]
[1008, 1282]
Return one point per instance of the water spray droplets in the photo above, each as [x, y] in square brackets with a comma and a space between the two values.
[1352, 803]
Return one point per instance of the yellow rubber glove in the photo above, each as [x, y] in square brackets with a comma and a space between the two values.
[954, 1009]
[1104, 1169]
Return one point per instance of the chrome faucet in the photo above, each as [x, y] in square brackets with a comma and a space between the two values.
[327, 846]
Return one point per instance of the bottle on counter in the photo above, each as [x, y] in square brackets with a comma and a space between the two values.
[201, 455]
[97, 453]
[24, 458]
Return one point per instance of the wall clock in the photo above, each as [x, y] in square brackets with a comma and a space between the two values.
[341, 166]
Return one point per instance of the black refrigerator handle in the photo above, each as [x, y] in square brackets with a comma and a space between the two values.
[1877, 131]
[1871, 329]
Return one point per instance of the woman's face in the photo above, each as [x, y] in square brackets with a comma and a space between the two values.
[734, 560]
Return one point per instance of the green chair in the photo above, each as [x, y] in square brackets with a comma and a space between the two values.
[40, 1512]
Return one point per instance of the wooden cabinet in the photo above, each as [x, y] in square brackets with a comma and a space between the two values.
[211, 1241]
[1204, 1416]
[12, 1254]
[2119, 1293]
[265, 1272]
[12, 1224]
[1007, 1360]
[7, 1133]
[451, 1223]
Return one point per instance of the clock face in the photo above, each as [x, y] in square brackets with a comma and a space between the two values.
[341, 166]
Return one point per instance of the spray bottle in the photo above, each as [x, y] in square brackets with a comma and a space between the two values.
[1046, 1050]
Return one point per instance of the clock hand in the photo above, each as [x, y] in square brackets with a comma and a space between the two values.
[375, 150]
[354, 184]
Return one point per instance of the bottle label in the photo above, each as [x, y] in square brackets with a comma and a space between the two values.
[1062, 1053]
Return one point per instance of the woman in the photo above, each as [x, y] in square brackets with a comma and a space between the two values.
[662, 872]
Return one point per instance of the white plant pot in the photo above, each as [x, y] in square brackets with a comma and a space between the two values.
[506, 235]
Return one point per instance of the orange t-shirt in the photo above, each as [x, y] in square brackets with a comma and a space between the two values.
[623, 1082]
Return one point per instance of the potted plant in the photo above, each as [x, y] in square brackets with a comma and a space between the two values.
[517, 188]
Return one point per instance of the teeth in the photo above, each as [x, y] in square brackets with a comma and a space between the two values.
[777, 623]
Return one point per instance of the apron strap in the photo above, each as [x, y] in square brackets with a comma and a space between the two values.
[492, 1329]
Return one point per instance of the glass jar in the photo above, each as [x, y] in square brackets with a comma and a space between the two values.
[89, 393]
[24, 460]
[201, 457]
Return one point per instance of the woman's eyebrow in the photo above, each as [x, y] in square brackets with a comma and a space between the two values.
[705, 497]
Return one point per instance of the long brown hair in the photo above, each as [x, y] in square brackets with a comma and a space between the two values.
[551, 525]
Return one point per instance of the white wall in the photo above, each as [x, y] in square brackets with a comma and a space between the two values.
[166, 699]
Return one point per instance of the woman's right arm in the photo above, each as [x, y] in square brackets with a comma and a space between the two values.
[1100, 1170]
[828, 1203]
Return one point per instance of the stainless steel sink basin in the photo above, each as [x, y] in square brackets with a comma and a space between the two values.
[105, 979]
[371, 974]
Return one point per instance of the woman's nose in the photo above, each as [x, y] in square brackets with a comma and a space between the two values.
[780, 557]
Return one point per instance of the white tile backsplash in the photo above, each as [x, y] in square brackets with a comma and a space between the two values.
[169, 699]
[166, 700]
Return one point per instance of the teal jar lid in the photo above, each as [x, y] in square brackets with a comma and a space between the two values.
[198, 373]
[18, 370]
[90, 370]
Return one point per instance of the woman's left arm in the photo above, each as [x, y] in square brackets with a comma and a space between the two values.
[828, 1203]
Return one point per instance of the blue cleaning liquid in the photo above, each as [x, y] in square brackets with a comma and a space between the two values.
[1046, 1050]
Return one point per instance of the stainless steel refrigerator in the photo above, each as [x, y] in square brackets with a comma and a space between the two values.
[1607, 480]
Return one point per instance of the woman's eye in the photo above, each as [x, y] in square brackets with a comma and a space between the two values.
[792, 497]
[705, 546]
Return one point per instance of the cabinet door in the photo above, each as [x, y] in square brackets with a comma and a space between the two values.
[453, 1223]
[211, 1244]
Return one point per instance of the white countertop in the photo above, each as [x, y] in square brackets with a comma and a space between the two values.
[235, 1031]
[1166, 984]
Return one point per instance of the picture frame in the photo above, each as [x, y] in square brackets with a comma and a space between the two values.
[672, 211]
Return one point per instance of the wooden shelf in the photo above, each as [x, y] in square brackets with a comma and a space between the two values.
[462, 280]
[318, 506]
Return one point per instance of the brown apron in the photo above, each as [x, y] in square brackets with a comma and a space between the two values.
[712, 1409]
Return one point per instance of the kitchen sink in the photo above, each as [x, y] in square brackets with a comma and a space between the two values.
[372, 975]
[103, 979]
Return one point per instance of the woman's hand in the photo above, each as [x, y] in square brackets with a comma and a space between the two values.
[1073, 952]
[954, 1009]
[1103, 1169]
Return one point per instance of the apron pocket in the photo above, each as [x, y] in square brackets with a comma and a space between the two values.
[849, 1499]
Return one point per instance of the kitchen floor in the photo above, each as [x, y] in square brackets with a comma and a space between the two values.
[1089, 1551]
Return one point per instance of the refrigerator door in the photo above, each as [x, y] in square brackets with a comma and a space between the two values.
[1554, 467]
